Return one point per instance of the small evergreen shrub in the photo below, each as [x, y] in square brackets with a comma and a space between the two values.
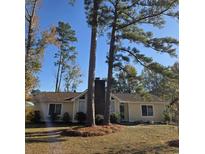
[54, 117]
[99, 119]
[115, 118]
[34, 116]
[66, 117]
[80, 117]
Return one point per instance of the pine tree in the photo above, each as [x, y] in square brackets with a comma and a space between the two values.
[125, 18]
[161, 85]
[66, 54]
[93, 19]
[126, 80]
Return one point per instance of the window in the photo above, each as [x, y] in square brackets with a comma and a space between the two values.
[55, 109]
[147, 110]
[58, 108]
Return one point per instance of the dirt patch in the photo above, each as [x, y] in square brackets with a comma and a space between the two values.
[92, 131]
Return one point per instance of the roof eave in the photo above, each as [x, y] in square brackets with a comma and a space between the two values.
[73, 99]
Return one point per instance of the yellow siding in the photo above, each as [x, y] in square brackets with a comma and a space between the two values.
[44, 107]
[135, 113]
[68, 107]
[117, 106]
[76, 107]
[126, 112]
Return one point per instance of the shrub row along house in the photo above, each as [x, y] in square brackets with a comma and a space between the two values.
[131, 107]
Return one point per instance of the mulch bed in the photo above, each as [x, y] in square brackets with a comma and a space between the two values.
[174, 143]
[92, 131]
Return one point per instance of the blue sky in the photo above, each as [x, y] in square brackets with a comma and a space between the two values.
[53, 11]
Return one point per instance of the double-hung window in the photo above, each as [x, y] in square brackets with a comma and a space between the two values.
[55, 109]
[147, 110]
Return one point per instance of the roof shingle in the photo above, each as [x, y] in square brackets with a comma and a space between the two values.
[127, 97]
[54, 96]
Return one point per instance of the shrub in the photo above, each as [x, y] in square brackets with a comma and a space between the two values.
[54, 117]
[167, 114]
[27, 114]
[34, 116]
[80, 117]
[99, 119]
[115, 118]
[66, 117]
[139, 122]
[167, 117]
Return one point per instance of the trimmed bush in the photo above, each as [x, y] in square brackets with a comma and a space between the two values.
[54, 117]
[99, 119]
[80, 117]
[115, 118]
[34, 116]
[66, 117]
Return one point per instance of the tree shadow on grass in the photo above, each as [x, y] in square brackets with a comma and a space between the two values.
[52, 135]
[44, 140]
[78, 127]
[49, 125]
[161, 149]
[44, 136]
[44, 133]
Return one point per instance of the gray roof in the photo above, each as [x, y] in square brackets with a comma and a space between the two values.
[54, 96]
[127, 97]
[66, 96]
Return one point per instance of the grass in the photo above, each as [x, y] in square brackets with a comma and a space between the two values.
[139, 139]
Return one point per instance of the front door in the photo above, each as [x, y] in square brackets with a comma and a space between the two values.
[122, 112]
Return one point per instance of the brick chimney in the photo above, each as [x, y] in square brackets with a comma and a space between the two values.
[99, 96]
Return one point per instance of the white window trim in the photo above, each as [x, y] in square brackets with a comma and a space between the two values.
[147, 115]
[55, 103]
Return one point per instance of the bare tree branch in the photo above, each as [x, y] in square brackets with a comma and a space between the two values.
[27, 12]
[27, 18]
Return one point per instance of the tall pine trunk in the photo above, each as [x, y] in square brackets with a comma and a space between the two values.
[91, 76]
[110, 70]
[58, 72]
[60, 78]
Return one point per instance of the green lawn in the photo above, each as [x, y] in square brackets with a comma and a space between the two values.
[139, 139]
